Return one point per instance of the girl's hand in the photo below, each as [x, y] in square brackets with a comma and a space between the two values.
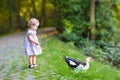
[33, 41]
[37, 43]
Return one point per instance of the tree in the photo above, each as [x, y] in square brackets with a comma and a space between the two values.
[10, 15]
[33, 6]
[58, 15]
[43, 15]
[92, 19]
[17, 4]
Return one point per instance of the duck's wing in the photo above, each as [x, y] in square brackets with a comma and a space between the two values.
[70, 62]
[80, 62]
[73, 62]
[77, 62]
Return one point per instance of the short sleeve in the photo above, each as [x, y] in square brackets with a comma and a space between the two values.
[30, 32]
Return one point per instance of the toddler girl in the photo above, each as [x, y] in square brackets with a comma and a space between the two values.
[31, 44]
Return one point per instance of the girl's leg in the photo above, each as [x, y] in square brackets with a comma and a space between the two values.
[30, 61]
[34, 61]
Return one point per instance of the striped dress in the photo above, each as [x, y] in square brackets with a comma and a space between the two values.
[29, 47]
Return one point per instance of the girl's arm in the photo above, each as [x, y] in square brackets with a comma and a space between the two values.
[32, 40]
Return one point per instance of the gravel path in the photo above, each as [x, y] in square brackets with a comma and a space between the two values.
[11, 57]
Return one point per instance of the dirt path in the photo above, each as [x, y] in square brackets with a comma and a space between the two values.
[11, 57]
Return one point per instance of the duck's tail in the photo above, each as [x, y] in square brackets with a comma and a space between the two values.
[66, 59]
[65, 56]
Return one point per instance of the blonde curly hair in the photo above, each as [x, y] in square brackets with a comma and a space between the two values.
[33, 21]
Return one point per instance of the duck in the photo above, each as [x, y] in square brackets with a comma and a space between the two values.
[77, 64]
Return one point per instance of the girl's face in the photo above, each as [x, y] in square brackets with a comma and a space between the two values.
[34, 27]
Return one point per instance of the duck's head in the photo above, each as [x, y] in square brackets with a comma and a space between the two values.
[89, 59]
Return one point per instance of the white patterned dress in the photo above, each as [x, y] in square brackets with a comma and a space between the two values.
[29, 47]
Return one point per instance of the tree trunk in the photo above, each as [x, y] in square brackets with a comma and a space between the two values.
[34, 9]
[58, 16]
[17, 10]
[92, 20]
[43, 15]
[10, 16]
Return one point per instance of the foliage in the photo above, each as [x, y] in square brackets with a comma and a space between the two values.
[105, 22]
[68, 34]
[108, 53]
[4, 18]
[113, 56]
[68, 26]
[77, 14]
[116, 11]
[15, 14]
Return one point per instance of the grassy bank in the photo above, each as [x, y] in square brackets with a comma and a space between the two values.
[52, 65]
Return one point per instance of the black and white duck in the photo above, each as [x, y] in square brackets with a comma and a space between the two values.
[76, 64]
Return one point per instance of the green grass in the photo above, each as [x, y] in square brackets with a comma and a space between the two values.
[53, 67]
[51, 64]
